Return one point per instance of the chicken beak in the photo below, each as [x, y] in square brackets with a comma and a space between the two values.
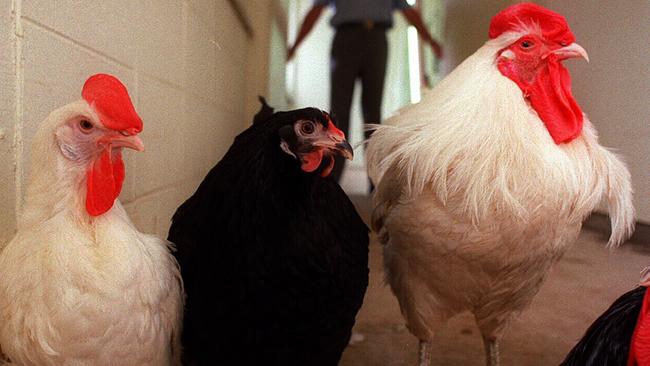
[128, 141]
[336, 142]
[345, 150]
[572, 51]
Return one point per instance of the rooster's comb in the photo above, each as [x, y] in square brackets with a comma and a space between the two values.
[553, 25]
[112, 103]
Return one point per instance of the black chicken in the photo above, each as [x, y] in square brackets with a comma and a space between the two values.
[273, 254]
[620, 336]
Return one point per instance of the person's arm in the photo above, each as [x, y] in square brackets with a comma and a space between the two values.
[306, 27]
[413, 17]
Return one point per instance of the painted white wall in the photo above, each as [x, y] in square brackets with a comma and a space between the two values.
[466, 28]
[7, 102]
[187, 65]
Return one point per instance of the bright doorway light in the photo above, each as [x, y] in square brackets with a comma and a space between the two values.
[414, 64]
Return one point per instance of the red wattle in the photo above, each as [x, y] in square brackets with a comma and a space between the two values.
[640, 343]
[118, 172]
[328, 169]
[104, 183]
[311, 161]
[550, 95]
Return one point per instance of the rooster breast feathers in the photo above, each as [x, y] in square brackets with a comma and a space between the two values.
[477, 144]
[94, 299]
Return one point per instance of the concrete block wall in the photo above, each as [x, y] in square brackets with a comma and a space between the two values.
[187, 65]
[7, 102]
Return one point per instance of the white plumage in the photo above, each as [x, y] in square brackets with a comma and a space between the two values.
[77, 289]
[475, 201]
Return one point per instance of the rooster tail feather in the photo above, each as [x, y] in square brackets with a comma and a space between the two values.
[619, 198]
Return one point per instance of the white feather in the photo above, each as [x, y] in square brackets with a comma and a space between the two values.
[475, 139]
[78, 290]
[475, 201]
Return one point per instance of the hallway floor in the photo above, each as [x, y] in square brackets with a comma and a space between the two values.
[583, 284]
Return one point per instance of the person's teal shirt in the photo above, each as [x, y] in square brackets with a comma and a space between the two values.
[354, 11]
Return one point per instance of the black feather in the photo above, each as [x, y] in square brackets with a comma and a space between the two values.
[274, 260]
[265, 112]
[607, 341]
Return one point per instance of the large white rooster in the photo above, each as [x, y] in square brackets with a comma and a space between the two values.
[79, 285]
[484, 184]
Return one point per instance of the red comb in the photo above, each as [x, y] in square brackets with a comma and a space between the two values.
[552, 24]
[112, 102]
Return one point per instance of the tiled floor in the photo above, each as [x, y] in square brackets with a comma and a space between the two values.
[579, 288]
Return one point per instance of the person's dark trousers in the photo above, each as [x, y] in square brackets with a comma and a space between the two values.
[358, 52]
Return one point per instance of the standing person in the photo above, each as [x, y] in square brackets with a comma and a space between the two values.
[359, 51]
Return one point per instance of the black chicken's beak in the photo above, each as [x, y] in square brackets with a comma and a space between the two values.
[336, 144]
[345, 150]
[333, 140]
[341, 145]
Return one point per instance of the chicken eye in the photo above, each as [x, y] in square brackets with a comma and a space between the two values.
[307, 128]
[85, 125]
[527, 44]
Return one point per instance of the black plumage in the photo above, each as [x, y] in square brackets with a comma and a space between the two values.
[274, 259]
[607, 341]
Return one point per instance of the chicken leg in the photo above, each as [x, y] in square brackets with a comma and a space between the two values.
[492, 351]
[425, 353]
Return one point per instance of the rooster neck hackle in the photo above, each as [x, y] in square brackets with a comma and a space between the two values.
[476, 142]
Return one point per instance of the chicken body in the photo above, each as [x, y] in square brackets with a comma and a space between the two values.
[78, 288]
[274, 258]
[475, 201]
[88, 294]
[439, 266]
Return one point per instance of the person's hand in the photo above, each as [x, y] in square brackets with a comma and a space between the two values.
[290, 52]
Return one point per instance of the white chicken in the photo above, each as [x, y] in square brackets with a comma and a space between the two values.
[484, 184]
[79, 284]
